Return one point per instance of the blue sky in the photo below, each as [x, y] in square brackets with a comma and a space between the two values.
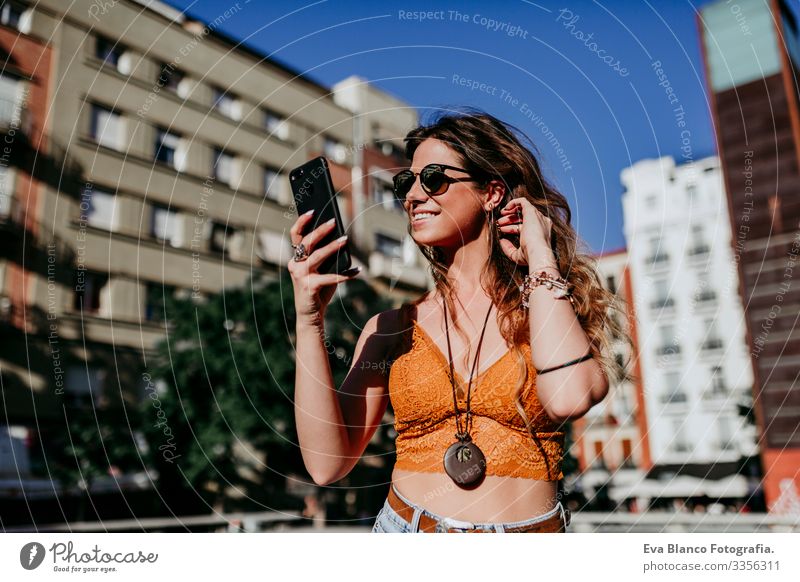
[537, 69]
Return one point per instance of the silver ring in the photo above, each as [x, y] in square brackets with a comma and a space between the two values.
[300, 253]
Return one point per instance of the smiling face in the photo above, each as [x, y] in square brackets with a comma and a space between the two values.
[458, 214]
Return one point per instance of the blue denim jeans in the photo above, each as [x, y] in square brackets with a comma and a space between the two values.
[389, 521]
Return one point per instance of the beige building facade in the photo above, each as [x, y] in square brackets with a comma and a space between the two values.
[163, 165]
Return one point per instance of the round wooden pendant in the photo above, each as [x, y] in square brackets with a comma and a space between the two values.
[465, 464]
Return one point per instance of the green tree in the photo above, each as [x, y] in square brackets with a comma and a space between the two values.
[226, 372]
[88, 444]
[569, 464]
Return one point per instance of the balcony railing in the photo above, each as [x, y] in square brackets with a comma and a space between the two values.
[706, 297]
[658, 260]
[698, 251]
[674, 398]
[663, 303]
[711, 344]
[668, 350]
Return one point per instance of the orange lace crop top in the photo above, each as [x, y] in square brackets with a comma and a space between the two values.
[422, 400]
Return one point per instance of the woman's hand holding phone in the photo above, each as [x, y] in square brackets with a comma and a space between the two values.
[312, 290]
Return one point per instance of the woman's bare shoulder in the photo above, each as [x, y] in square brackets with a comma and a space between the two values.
[392, 325]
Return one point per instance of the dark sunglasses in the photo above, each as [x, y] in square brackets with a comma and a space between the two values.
[432, 179]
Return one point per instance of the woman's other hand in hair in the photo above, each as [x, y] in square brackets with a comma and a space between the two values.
[522, 218]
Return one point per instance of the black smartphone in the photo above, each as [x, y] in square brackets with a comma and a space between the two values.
[312, 187]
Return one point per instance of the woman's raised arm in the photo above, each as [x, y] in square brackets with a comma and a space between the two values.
[334, 427]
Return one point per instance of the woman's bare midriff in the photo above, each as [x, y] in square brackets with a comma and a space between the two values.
[496, 499]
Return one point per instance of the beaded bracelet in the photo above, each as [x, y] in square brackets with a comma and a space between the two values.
[533, 280]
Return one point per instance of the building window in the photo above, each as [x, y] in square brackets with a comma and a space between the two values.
[7, 179]
[662, 299]
[276, 125]
[725, 432]
[627, 454]
[669, 344]
[599, 462]
[10, 105]
[390, 149]
[89, 288]
[272, 184]
[611, 283]
[697, 234]
[220, 238]
[662, 289]
[657, 254]
[85, 384]
[15, 458]
[113, 54]
[718, 385]
[166, 226]
[389, 246]
[171, 78]
[16, 15]
[158, 295]
[703, 293]
[679, 442]
[108, 51]
[107, 127]
[226, 103]
[691, 192]
[699, 245]
[334, 150]
[169, 149]
[274, 248]
[99, 209]
[673, 392]
[383, 194]
[712, 340]
[224, 167]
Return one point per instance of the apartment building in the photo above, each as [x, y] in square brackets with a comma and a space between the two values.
[611, 440]
[161, 150]
[696, 374]
[25, 83]
[380, 122]
[751, 51]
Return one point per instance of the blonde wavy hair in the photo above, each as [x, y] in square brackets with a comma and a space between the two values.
[490, 148]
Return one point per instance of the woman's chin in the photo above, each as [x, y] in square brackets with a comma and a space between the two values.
[426, 237]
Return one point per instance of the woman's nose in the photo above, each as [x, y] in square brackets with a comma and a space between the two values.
[416, 192]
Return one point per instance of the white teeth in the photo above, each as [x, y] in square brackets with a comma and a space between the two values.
[423, 215]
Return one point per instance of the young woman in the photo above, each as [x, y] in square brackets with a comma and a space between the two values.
[479, 413]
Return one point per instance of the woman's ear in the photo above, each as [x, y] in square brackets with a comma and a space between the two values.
[496, 190]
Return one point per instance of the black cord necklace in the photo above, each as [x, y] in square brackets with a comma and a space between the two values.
[464, 462]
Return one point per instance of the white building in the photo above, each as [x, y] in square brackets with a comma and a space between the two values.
[694, 362]
[612, 448]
